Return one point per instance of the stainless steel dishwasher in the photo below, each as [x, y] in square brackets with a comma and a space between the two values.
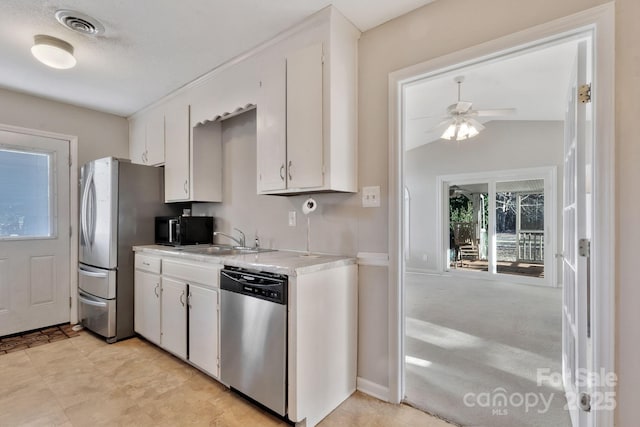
[253, 335]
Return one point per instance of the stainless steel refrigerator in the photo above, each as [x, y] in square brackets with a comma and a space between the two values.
[119, 201]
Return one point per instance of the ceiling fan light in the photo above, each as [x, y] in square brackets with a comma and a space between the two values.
[473, 131]
[463, 131]
[53, 52]
[450, 132]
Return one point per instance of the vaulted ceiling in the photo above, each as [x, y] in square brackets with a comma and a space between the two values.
[535, 83]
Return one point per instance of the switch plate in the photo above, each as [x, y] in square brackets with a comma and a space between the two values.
[371, 197]
[292, 218]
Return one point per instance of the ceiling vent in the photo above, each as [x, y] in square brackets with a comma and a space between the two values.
[79, 22]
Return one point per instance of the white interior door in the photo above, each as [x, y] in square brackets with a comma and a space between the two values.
[576, 336]
[34, 232]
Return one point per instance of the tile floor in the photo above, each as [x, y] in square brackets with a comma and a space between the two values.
[85, 382]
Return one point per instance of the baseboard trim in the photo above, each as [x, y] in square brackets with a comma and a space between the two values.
[372, 389]
[373, 259]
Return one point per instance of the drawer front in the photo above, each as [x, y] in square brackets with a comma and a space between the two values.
[193, 272]
[97, 314]
[97, 281]
[148, 263]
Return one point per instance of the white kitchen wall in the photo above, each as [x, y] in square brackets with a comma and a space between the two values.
[99, 134]
[503, 145]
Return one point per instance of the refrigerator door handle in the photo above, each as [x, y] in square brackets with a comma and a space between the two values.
[83, 208]
[92, 214]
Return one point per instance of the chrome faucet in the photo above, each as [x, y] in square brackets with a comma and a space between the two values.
[241, 241]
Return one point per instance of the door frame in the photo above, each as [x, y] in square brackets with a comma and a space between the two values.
[73, 208]
[600, 22]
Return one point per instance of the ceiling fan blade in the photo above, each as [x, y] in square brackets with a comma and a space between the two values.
[494, 112]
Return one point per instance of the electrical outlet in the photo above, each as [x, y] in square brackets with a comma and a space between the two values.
[292, 218]
[371, 197]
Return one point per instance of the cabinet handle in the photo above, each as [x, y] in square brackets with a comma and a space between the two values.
[189, 295]
[282, 172]
[186, 183]
[290, 166]
[182, 298]
[155, 290]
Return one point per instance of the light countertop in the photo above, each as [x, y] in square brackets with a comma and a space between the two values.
[282, 262]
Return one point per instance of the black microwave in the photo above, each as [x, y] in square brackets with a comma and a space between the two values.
[184, 230]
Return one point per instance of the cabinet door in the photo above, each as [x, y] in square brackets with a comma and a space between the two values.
[271, 117]
[155, 138]
[137, 142]
[203, 328]
[147, 305]
[304, 118]
[176, 165]
[174, 317]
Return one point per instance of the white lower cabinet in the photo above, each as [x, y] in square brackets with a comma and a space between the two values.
[203, 328]
[147, 298]
[174, 317]
[177, 308]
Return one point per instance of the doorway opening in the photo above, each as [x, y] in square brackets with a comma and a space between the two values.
[513, 349]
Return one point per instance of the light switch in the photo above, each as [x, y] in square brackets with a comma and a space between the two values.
[371, 197]
[292, 218]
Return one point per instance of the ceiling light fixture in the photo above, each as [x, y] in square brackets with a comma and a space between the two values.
[460, 125]
[53, 52]
[460, 129]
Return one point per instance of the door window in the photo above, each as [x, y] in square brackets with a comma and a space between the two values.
[520, 227]
[25, 194]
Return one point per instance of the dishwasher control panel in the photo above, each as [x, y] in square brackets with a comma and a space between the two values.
[267, 286]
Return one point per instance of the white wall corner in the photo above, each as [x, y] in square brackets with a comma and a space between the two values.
[373, 259]
[372, 389]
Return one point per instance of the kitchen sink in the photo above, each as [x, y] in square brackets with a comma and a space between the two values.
[223, 250]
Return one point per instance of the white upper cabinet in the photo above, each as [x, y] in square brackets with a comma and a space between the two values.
[155, 138]
[146, 137]
[307, 109]
[304, 86]
[137, 140]
[271, 130]
[176, 167]
[304, 119]
[193, 167]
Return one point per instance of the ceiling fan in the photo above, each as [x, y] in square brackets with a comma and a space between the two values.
[460, 119]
